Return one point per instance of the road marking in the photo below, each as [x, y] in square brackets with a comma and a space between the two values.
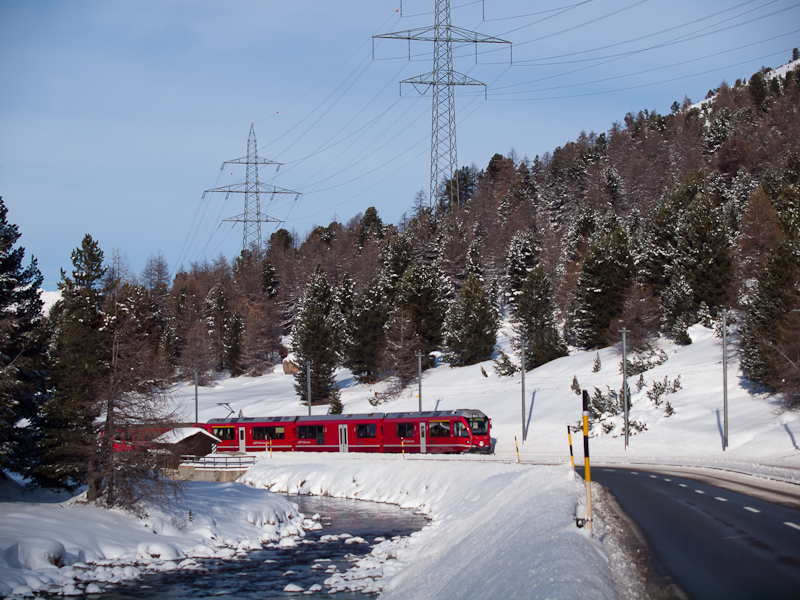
[720, 499]
[666, 479]
[751, 509]
[792, 525]
[699, 492]
[682, 484]
[653, 477]
[634, 472]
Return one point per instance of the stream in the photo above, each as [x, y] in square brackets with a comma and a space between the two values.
[263, 574]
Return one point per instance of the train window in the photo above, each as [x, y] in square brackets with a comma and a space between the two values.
[405, 430]
[440, 428]
[269, 433]
[223, 433]
[479, 426]
[310, 432]
[366, 430]
[460, 430]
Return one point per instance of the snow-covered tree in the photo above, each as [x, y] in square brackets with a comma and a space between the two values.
[535, 323]
[522, 257]
[22, 349]
[365, 335]
[312, 340]
[471, 326]
[423, 293]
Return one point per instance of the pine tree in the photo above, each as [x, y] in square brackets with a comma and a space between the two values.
[522, 257]
[268, 279]
[81, 358]
[402, 344]
[471, 326]
[396, 256]
[365, 336]
[217, 315]
[535, 323]
[234, 333]
[343, 302]
[312, 340]
[600, 293]
[423, 293]
[775, 296]
[22, 349]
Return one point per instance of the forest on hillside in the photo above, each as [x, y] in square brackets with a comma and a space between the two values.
[660, 223]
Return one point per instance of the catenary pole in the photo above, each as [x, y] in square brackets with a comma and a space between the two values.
[308, 382]
[523, 390]
[625, 406]
[724, 382]
[419, 376]
[196, 417]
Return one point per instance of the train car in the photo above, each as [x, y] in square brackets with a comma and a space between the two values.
[431, 432]
[138, 437]
[253, 434]
[450, 431]
[340, 433]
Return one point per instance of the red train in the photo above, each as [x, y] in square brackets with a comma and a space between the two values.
[450, 431]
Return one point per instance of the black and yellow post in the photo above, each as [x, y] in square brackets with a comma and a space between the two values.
[587, 476]
[571, 456]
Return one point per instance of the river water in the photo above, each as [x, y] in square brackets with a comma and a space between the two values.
[263, 574]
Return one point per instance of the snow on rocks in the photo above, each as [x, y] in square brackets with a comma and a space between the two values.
[72, 548]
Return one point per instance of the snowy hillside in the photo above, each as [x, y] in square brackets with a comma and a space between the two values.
[759, 431]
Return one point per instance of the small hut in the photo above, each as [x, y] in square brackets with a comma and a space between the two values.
[184, 441]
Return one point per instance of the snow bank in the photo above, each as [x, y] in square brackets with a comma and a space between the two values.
[67, 548]
[496, 528]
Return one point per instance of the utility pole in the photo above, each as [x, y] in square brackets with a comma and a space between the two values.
[419, 376]
[625, 407]
[252, 189]
[444, 162]
[196, 418]
[308, 383]
[724, 381]
[523, 389]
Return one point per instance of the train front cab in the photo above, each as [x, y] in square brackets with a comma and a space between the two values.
[431, 432]
[340, 433]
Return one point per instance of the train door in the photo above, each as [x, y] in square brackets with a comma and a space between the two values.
[422, 438]
[343, 438]
[242, 443]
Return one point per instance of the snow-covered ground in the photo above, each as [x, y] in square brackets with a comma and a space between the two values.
[495, 526]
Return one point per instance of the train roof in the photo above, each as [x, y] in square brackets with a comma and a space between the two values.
[234, 420]
[461, 412]
[364, 416]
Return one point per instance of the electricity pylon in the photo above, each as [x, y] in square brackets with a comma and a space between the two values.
[444, 160]
[252, 188]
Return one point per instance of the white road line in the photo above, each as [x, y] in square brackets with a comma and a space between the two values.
[634, 472]
[653, 477]
[792, 525]
[682, 484]
[666, 479]
[751, 509]
[720, 499]
[699, 492]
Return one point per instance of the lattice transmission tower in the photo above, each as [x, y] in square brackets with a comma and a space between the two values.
[443, 78]
[252, 188]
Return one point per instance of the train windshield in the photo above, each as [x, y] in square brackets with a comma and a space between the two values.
[479, 426]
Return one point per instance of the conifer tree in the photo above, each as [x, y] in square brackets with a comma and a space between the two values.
[471, 326]
[522, 257]
[365, 339]
[22, 349]
[423, 293]
[217, 315]
[234, 333]
[268, 279]
[402, 345]
[775, 296]
[396, 256]
[600, 293]
[342, 305]
[81, 357]
[535, 323]
[312, 340]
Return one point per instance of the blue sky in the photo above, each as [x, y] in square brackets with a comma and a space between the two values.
[115, 116]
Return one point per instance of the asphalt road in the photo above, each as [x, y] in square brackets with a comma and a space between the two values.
[715, 543]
